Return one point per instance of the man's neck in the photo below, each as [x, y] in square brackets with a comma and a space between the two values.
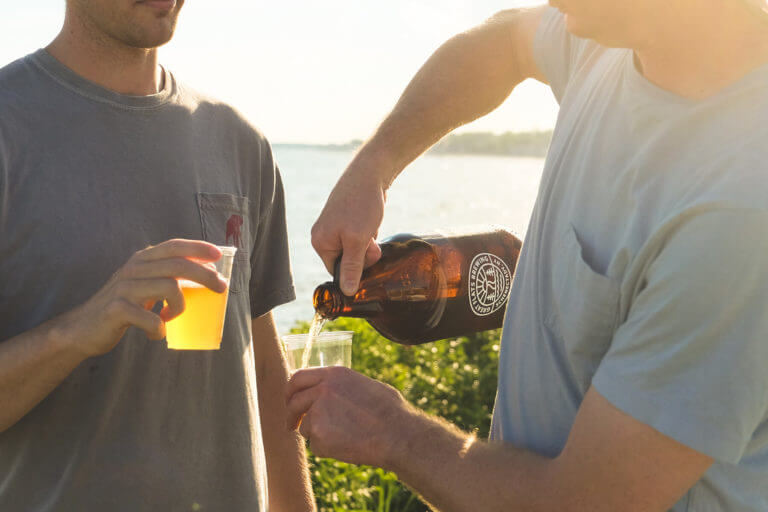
[711, 51]
[106, 61]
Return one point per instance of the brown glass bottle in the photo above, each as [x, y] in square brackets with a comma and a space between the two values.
[427, 288]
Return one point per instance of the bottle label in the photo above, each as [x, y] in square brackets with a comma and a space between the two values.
[489, 283]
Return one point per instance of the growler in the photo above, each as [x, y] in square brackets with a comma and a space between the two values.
[427, 288]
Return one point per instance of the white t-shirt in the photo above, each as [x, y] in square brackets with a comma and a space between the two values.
[645, 269]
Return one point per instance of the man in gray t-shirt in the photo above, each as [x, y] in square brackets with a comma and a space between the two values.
[116, 180]
[633, 360]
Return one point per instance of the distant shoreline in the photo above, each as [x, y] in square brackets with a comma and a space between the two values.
[526, 144]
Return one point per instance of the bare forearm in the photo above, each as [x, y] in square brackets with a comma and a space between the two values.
[289, 485]
[456, 472]
[467, 77]
[32, 365]
[611, 461]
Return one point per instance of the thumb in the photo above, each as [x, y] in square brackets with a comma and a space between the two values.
[351, 267]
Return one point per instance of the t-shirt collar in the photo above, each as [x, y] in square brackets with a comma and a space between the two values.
[71, 80]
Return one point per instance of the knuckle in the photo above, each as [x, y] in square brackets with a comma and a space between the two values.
[392, 392]
[325, 245]
[174, 244]
[316, 230]
[210, 273]
[141, 254]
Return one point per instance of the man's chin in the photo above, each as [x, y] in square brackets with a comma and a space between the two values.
[146, 43]
[151, 38]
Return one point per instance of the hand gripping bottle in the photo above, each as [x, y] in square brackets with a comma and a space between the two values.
[427, 288]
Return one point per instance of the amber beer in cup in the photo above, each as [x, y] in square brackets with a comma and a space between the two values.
[201, 325]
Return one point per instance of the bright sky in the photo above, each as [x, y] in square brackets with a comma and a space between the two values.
[305, 71]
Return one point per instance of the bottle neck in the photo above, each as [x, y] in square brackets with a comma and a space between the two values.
[330, 303]
[328, 300]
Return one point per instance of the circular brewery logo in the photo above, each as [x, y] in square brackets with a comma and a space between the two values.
[489, 283]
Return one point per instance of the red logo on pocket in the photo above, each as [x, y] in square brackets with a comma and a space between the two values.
[234, 224]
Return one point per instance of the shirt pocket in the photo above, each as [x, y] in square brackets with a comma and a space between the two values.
[226, 221]
[584, 309]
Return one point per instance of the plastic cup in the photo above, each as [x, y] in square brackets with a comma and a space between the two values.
[201, 325]
[332, 348]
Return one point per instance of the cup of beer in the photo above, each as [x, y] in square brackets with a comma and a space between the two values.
[331, 348]
[201, 325]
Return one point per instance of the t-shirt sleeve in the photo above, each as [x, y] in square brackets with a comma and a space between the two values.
[691, 358]
[271, 282]
[558, 53]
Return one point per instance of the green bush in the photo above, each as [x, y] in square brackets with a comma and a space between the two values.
[454, 379]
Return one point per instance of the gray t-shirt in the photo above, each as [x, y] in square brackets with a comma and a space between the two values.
[88, 177]
[644, 270]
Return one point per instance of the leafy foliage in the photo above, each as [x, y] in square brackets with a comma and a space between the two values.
[455, 379]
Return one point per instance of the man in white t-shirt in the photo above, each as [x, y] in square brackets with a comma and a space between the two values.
[633, 364]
